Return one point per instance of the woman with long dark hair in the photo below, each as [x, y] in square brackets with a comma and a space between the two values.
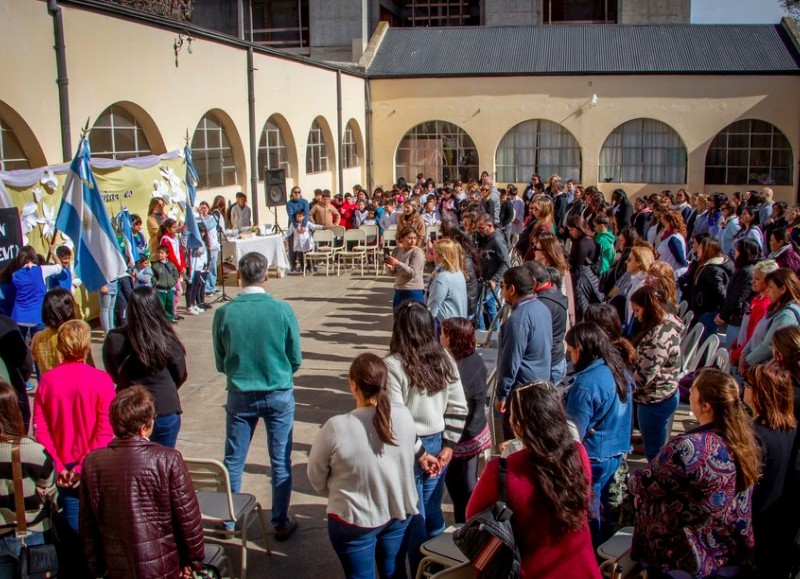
[582, 259]
[607, 317]
[782, 249]
[363, 461]
[694, 499]
[147, 352]
[739, 291]
[598, 401]
[768, 394]
[709, 284]
[657, 368]
[749, 228]
[671, 246]
[547, 488]
[38, 482]
[783, 290]
[59, 306]
[549, 251]
[424, 377]
[458, 336]
[30, 285]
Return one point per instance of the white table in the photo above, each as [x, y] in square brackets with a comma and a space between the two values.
[270, 246]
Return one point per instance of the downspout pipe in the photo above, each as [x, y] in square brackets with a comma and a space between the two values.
[339, 129]
[251, 113]
[61, 80]
[368, 133]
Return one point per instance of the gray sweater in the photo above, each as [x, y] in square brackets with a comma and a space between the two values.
[367, 482]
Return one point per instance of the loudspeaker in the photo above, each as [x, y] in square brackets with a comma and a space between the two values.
[275, 187]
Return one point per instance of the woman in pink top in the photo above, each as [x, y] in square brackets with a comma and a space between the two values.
[548, 486]
[71, 412]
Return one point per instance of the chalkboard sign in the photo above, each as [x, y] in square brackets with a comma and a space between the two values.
[10, 235]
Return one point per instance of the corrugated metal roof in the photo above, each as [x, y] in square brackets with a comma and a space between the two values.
[581, 49]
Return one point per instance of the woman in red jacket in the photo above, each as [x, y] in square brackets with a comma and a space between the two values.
[169, 239]
[548, 486]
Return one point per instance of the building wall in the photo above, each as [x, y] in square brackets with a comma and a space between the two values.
[654, 11]
[487, 108]
[112, 60]
[511, 12]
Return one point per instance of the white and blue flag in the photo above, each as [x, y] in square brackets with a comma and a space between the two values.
[125, 228]
[83, 217]
[194, 240]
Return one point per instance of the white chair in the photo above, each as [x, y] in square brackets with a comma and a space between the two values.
[687, 318]
[616, 554]
[354, 249]
[689, 344]
[390, 236]
[324, 250]
[373, 249]
[683, 307]
[704, 355]
[219, 505]
[338, 234]
[437, 229]
[722, 360]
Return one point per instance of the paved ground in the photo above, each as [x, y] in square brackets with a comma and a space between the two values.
[352, 317]
[339, 317]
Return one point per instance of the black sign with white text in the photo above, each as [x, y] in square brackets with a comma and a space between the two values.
[10, 235]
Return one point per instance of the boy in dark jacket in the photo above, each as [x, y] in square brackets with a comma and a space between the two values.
[165, 277]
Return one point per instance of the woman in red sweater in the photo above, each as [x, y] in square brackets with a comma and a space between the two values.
[548, 486]
[169, 239]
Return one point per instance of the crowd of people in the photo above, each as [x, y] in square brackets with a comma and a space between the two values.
[585, 297]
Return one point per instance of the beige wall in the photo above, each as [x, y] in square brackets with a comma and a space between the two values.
[113, 60]
[487, 108]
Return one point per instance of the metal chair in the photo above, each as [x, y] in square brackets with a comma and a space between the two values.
[687, 318]
[354, 249]
[390, 236]
[704, 355]
[338, 234]
[215, 562]
[683, 307]
[722, 360]
[324, 250]
[373, 249]
[219, 505]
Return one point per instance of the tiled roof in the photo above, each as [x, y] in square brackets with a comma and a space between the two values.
[585, 49]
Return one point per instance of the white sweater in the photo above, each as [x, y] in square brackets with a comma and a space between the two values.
[445, 411]
[366, 481]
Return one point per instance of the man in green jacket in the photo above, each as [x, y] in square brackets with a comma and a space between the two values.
[257, 346]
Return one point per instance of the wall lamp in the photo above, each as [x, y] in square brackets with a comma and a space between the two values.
[183, 38]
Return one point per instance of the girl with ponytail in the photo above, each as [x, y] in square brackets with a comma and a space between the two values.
[363, 462]
[694, 499]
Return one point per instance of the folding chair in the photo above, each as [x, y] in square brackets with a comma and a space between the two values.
[683, 307]
[324, 250]
[373, 249]
[704, 355]
[687, 318]
[722, 360]
[390, 236]
[689, 344]
[616, 554]
[219, 505]
[215, 562]
[354, 249]
[338, 234]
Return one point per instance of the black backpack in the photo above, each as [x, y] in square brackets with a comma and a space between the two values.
[487, 539]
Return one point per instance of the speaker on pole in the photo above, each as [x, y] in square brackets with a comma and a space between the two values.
[275, 187]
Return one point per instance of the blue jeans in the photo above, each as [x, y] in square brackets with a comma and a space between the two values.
[360, 549]
[243, 410]
[165, 430]
[653, 422]
[731, 333]
[488, 312]
[107, 302]
[211, 280]
[558, 371]
[707, 320]
[430, 489]
[68, 500]
[401, 296]
[9, 552]
[602, 474]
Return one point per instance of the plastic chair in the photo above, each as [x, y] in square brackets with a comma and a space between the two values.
[704, 355]
[441, 551]
[434, 229]
[354, 249]
[683, 307]
[463, 571]
[215, 562]
[722, 360]
[687, 319]
[324, 250]
[689, 344]
[616, 553]
[219, 505]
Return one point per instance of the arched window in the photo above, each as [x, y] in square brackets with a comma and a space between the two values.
[316, 150]
[12, 156]
[350, 146]
[439, 150]
[643, 151]
[212, 153]
[537, 146]
[749, 152]
[117, 134]
[272, 151]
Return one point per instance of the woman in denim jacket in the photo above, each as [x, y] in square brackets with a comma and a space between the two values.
[598, 402]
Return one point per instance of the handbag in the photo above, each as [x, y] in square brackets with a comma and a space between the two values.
[35, 561]
[487, 539]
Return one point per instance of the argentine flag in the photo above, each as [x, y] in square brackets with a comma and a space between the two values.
[195, 240]
[82, 216]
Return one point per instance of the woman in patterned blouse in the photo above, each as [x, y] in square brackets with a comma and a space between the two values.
[693, 501]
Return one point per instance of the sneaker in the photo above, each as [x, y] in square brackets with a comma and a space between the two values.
[205, 306]
[193, 311]
[284, 531]
[178, 318]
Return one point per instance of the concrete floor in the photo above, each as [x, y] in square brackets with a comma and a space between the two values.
[339, 317]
